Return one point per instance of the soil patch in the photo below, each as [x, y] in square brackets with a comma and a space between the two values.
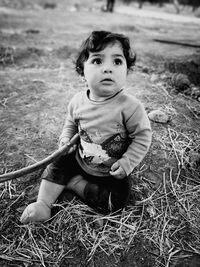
[39, 41]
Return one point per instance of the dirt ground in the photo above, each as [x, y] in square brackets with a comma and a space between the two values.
[38, 43]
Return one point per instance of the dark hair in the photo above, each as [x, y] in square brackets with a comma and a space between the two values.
[97, 41]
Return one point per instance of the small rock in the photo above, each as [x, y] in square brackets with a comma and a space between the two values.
[180, 81]
[159, 116]
[145, 69]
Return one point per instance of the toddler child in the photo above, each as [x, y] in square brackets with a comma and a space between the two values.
[114, 130]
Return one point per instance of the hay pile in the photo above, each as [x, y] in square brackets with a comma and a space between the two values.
[166, 218]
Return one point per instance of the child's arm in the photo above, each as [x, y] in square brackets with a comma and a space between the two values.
[69, 129]
[139, 129]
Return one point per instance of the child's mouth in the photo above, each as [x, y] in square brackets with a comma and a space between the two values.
[107, 80]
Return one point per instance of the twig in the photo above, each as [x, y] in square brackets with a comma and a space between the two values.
[57, 154]
[176, 43]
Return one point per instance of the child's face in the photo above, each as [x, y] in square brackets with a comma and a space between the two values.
[105, 72]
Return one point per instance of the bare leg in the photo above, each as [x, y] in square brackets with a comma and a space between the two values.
[77, 184]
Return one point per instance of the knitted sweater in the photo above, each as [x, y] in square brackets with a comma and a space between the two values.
[117, 129]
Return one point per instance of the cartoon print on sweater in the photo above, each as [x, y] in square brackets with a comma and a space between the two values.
[105, 153]
[116, 145]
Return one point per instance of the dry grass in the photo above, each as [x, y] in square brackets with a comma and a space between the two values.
[163, 227]
[166, 218]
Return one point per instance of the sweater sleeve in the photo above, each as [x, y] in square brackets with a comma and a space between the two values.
[70, 128]
[140, 134]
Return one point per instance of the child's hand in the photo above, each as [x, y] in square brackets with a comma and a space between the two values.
[117, 171]
[64, 141]
[36, 212]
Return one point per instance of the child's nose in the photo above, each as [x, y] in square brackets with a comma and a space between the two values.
[107, 70]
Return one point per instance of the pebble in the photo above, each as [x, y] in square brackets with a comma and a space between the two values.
[180, 81]
[159, 116]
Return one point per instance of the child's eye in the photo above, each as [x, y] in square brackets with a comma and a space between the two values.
[118, 61]
[96, 61]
